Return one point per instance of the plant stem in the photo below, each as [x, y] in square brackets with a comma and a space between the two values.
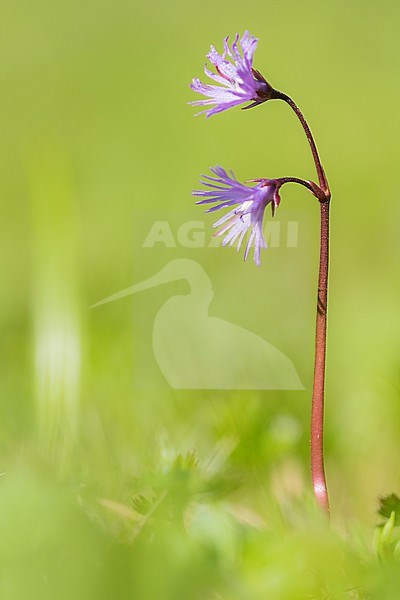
[310, 185]
[319, 168]
[317, 407]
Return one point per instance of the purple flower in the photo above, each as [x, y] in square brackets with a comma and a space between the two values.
[239, 81]
[225, 191]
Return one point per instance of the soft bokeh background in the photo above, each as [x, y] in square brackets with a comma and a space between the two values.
[97, 143]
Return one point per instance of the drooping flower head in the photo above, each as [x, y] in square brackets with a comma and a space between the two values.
[250, 202]
[239, 82]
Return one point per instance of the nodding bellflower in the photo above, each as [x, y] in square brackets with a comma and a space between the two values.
[239, 82]
[250, 202]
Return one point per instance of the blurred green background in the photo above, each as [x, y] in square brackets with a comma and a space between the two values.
[101, 494]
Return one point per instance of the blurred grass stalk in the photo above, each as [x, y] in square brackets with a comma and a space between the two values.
[57, 336]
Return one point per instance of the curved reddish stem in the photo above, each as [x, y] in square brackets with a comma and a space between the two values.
[318, 165]
[318, 402]
[310, 185]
